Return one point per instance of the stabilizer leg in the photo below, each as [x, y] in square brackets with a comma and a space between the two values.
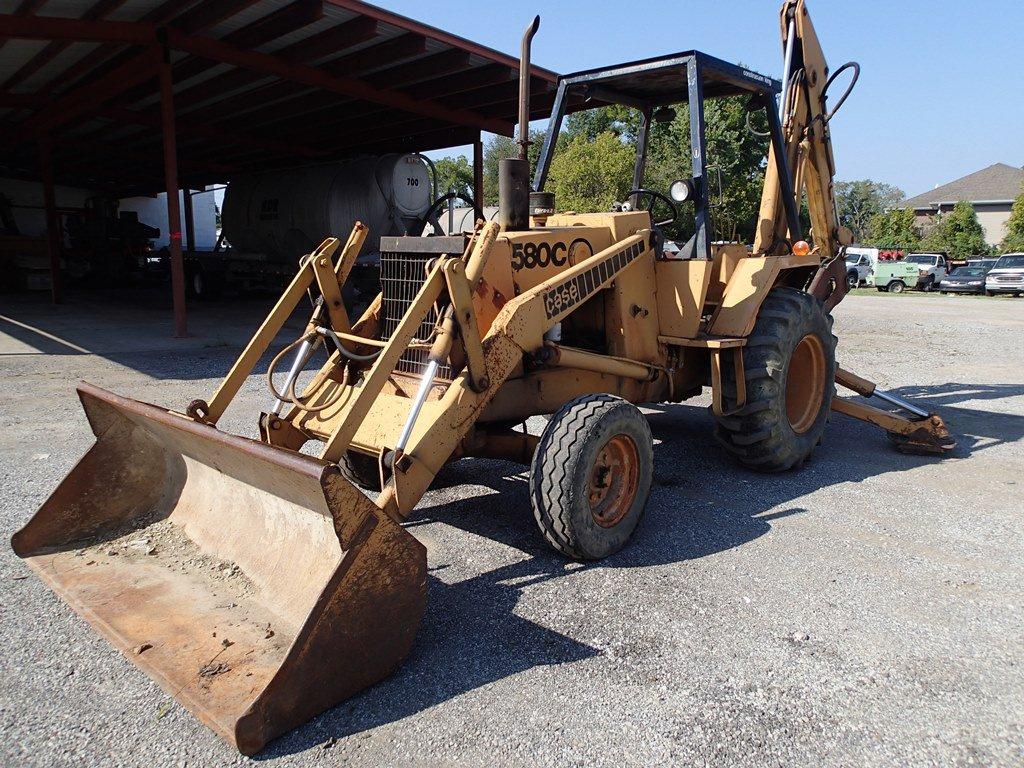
[925, 433]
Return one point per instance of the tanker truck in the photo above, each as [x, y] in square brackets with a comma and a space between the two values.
[270, 220]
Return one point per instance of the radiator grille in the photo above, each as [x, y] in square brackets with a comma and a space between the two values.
[403, 270]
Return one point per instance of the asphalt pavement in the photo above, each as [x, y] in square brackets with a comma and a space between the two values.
[864, 610]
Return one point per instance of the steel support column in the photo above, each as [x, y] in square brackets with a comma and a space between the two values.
[702, 243]
[53, 237]
[478, 177]
[171, 184]
[190, 221]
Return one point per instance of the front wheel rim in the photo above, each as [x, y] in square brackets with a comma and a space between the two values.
[805, 383]
[614, 479]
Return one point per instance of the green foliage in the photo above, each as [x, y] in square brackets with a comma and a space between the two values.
[957, 233]
[589, 175]
[454, 173]
[859, 201]
[894, 229]
[1014, 240]
[736, 160]
[591, 123]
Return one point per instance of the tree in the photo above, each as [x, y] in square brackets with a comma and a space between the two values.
[895, 229]
[735, 162]
[858, 201]
[590, 175]
[957, 233]
[1014, 240]
[454, 173]
[622, 121]
[501, 147]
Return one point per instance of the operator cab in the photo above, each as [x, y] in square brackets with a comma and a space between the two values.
[653, 87]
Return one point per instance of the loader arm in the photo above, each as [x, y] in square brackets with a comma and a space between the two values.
[807, 145]
[519, 328]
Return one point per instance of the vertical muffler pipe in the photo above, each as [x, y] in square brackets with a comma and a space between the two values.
[514, 173]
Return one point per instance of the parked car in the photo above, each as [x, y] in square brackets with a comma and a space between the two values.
[1006, 276]
[896, 276]
[932, 268]
[964, 280]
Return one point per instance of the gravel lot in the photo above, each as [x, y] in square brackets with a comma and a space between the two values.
[863, 611]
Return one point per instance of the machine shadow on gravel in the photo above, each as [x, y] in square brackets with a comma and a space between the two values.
[687, 518]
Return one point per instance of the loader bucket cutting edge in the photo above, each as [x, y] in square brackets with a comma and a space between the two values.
[255, 585]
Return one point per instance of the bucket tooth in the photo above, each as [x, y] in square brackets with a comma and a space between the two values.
[256, 585]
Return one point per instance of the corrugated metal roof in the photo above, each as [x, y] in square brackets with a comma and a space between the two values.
[423, 88]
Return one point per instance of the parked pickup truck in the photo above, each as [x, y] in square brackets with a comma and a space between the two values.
[932, 268]
[860, 266]
[896, 276]
[1006, 275]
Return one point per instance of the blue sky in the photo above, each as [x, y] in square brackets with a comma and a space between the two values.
[941, 93]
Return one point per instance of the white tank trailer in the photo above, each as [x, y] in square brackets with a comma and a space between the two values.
[270, 220]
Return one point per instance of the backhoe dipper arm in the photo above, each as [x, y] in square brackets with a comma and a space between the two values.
[806, 140]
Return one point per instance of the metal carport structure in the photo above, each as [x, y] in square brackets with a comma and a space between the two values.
[136, 97]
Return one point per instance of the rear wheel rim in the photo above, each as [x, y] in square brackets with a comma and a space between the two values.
[805, 383]
[614, 479]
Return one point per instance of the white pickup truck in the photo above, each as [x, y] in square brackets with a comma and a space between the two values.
[860, 266]
[932, 267]
[1006, 275]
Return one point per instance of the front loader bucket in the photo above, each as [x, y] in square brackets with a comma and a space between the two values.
[255, 585]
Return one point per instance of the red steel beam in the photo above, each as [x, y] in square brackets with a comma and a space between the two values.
[264, 30]
[171, 183]
[184, 128]
[312, 103]
[209, 14]
[56, 47]
[352, 65]
[427, 68]
[306, 51]
[88, 98]
[76, 30]
[95, 58]
[318, 78]
[53, 237]
[387, 17]
[27, 8]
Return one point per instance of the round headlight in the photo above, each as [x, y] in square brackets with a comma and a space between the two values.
[682, 190]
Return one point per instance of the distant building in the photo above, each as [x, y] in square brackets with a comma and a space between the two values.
[991, 191]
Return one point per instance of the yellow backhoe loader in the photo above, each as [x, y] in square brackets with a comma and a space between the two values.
[260, 585]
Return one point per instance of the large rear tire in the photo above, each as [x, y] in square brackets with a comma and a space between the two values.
[591, 475]
[790, 366]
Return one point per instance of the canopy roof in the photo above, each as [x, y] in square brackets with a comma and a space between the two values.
[257, 84]
[661, 81]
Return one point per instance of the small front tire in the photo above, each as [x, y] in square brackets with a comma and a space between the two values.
[590, 476]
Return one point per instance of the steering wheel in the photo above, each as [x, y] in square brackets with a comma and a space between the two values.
[655, 197]
[433, 214]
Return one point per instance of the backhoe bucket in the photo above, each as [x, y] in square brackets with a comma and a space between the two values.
[255, 585]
